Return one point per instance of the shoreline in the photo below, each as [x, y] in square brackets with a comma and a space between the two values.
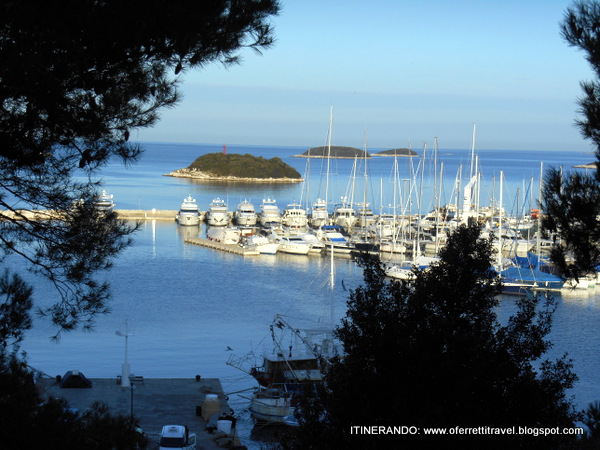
[202, 176]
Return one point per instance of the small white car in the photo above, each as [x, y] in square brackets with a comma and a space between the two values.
[177, 437]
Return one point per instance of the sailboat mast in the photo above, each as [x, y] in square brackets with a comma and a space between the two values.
[472, 152]
[538, 233]
[328, 158]
[500, 223]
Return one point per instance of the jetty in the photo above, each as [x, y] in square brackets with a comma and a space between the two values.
[125, 214]
[197, 403]
[230, 248]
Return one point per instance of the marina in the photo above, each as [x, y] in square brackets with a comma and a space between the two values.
[190, 307]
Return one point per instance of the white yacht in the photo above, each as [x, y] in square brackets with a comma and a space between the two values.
[261, 244]
[294, 216]
[334, 240]
[318, 214]
[104, 201]
[225, 235]
[188, 212]
[344, 216]
[245, 214]
[294, 245]
[269, 215]
[365, 215]
[316, 246]
[217, 213]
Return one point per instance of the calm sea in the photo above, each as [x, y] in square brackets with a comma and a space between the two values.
[189, 308]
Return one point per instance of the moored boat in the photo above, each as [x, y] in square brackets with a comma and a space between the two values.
[269, 215]
[318, 214]
[261, 244]
[104, 201]
[344, 216]
[217, 215]
[334, 239]
[245, 214]
[188, 214]
[225, 235]
[294, 245]
[286, 371]
[294, 216]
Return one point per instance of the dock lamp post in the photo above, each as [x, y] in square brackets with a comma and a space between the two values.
[125, 379]
[132, 388]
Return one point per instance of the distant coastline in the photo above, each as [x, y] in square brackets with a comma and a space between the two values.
[340, 152]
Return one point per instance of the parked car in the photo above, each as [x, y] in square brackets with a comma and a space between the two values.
[177, 437]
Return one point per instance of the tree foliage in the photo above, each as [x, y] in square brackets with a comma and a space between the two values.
[77, 78]
[433, 353]
[570, 203]
[30, 421]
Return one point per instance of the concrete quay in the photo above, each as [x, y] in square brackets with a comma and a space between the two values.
[126, 214]
[156, 402]
[152, 214]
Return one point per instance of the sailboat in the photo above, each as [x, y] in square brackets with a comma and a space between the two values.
[521, 280]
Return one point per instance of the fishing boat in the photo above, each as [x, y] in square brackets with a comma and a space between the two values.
[217, 215]
[294, 362]
[188, 214]
[245, 214]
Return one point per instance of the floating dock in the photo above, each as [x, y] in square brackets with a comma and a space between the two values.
[230, 248]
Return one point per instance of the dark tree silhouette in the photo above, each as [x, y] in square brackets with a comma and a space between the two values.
[432, 353]
[77, 77]
[571, 200]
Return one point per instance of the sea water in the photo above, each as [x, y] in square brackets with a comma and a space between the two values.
[189, 308]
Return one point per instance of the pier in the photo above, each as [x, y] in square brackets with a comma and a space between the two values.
[156, 402]
[230, 248]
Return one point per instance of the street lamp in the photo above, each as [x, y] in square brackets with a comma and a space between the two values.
[132, 388]
[125, 368]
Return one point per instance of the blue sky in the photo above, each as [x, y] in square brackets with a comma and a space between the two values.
[403, 71]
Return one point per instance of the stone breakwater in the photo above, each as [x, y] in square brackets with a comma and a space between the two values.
[203, 176]
[125, 214]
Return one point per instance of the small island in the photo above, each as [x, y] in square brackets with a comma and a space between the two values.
[335, 151]
[234, 167]
[340, 152]
[397, 152]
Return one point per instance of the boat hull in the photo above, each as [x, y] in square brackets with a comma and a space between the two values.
[188, 219]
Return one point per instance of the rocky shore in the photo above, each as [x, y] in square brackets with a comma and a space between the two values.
[203, 176]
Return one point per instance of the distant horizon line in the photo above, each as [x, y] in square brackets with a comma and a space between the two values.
[590, 151]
